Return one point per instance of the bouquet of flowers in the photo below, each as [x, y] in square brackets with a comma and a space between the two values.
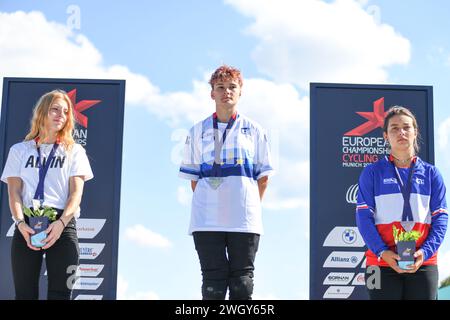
[39, 220]
[406, 245]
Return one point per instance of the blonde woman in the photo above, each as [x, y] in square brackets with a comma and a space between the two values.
[47, 169]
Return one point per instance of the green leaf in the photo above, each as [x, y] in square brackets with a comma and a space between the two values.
[395, 232]
[50, 213]
[27, 211]
[412, 235]
[415, 235]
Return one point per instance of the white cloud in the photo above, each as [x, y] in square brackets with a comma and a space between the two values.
[123, 294]
[184, 195]
[278, 107]
[277, 202]
[122, 287]
[275, 105]
[289, 189]
[316, 41]
[32, 46]
[146, 238]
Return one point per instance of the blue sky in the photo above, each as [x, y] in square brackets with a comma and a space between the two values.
[166, 49]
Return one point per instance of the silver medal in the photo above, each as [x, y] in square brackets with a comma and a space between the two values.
[408, 225]
[214, 182]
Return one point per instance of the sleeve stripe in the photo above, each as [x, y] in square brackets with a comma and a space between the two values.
[189, 171]
[440, 210]
[188, 176]
[265, 173]
[364, 207]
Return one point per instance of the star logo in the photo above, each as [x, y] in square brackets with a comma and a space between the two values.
[375, 119]
[79, 107]
[240, 161]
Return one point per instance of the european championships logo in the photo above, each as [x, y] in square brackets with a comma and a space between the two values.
[359, 150]
[80, 133]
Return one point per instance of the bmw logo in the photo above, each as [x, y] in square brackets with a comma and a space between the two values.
[349, 236]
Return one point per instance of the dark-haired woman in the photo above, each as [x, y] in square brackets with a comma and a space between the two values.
[404, 191]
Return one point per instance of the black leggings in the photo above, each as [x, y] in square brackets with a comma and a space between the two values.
[421, 285]
[26, 265]
[226, 260]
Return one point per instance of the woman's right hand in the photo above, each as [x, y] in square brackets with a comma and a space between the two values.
[26, 232]
[391, 259]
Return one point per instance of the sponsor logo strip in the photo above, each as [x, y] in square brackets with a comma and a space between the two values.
[344, 237]
[338, 292]
[343, 259]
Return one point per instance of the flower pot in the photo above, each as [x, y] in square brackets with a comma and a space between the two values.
[39, 225]
[406, 250]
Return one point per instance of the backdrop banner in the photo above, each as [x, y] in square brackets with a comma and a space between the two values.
[99, 112]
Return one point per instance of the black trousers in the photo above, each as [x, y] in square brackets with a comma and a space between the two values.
[26, 265]
[227, 262]
[421, 285]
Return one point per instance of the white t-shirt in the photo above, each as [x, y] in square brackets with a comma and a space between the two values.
[235, 205]
[22, 162]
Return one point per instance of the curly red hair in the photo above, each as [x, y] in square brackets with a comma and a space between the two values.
[226, 73]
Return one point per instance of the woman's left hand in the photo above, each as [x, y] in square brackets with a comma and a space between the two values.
[53, 231]
[417, 263]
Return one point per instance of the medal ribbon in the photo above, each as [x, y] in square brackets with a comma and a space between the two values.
[405, 189]
[218, 143]
[43, 169]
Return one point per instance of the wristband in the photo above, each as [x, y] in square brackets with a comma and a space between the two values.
[19, 222]
[62, 222]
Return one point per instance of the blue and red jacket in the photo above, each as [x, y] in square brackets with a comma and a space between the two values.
[380, 207]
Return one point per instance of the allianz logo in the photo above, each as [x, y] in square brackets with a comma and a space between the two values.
[352, 194]
[353, 259]
[340, 259]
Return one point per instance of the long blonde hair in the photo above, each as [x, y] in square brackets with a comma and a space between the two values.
[40, 114]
